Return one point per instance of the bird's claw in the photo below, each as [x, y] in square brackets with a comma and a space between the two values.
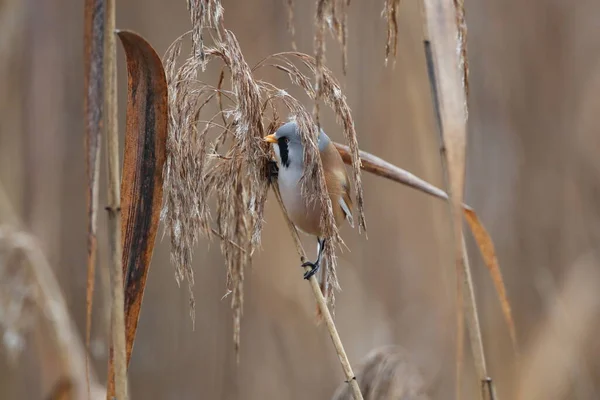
[272, 170]
[313, 270]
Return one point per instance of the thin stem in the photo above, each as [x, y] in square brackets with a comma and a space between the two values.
[322, 303]
[117, 355]
[472, 319]
[460, 274]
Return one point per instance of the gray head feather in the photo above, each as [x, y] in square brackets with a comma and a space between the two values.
[289, 149]
[291, 131]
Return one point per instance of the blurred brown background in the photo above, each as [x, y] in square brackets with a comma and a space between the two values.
[533, 176]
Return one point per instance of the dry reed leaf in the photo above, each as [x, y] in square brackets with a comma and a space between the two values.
[391, 16]
[486, 247]
[93, 121]
[386, 373]
[142, 179]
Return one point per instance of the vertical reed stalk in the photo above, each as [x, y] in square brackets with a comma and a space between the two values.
[94, 106]
[444, 31]
[117, 384]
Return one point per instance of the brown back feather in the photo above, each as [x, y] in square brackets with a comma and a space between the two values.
[336, 177]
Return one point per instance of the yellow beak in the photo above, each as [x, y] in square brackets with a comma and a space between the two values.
[270, 138]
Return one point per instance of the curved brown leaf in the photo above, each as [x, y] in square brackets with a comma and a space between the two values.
[486, 247]
[142, 181]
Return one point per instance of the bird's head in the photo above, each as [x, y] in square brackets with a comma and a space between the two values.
[288, 145]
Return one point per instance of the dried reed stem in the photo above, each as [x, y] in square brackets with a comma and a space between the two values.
[322, 304]
[117, 353]
[472, 319]
[459, 271]
[444, 23]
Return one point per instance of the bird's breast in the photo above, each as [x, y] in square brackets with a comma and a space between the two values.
[306, 217]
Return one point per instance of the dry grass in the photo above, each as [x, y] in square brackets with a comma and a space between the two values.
[391, 16]
[290, 23]
[194, 171]
[463, 66]
[387, 373]
[331, 15]
[184, 213]
[231, 167]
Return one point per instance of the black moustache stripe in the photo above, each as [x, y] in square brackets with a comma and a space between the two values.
[283, 152]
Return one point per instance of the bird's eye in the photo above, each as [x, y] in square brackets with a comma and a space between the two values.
[286, 140]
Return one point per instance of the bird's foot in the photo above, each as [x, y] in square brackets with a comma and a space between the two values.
[314, 268]
[272, 170]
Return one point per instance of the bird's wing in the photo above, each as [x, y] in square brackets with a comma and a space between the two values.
[337, 180]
